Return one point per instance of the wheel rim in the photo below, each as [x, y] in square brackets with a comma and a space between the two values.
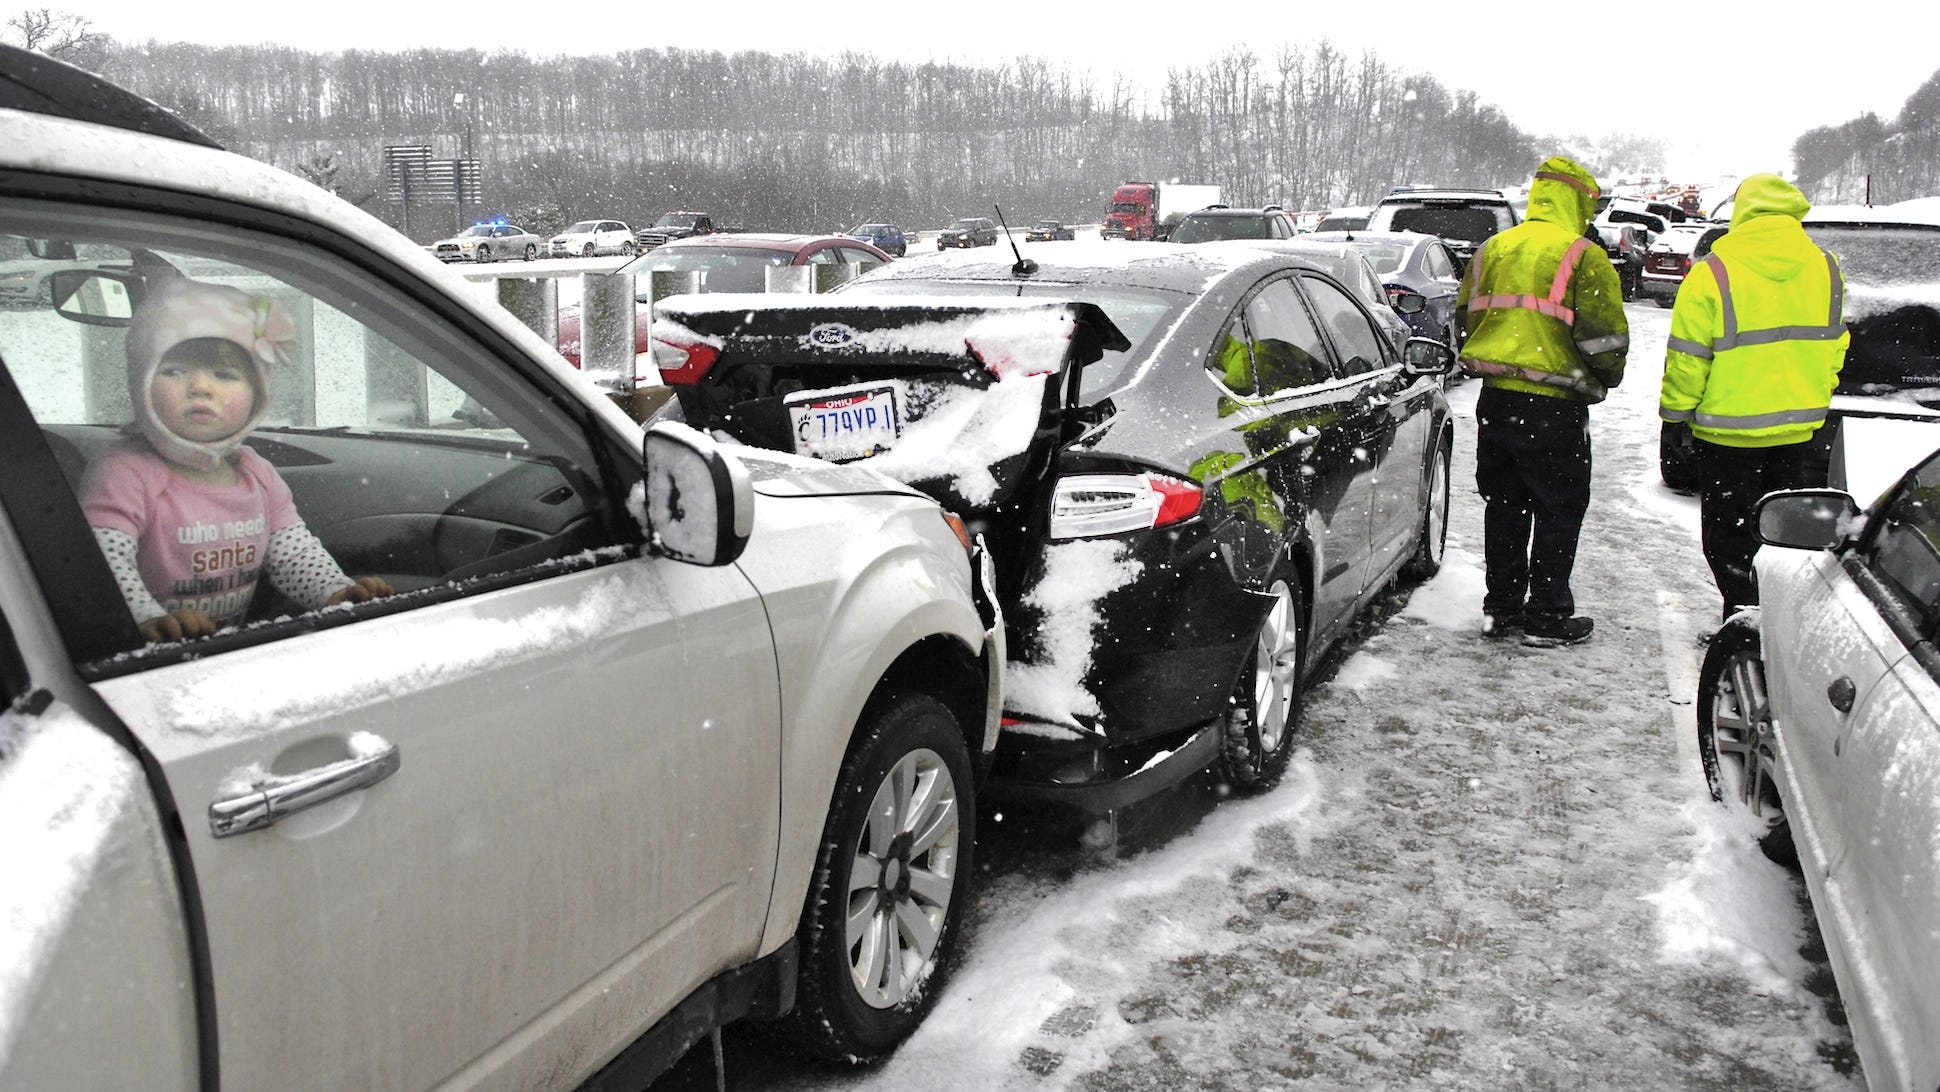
[1741, 737]
[1276, 663]
[484, 254]
[901, 878]
[1437, 525]
[530, 251]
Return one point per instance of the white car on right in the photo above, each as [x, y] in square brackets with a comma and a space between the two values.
[589, 238]
[1819, 714]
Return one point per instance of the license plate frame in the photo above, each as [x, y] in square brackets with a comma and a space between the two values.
[842, 424]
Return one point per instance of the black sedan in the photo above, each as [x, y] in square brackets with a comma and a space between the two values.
[1047, 231]
[1191, 479]
[1420, 274]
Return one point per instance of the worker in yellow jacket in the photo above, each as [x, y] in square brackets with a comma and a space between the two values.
[1756, 345]
[1543, 310]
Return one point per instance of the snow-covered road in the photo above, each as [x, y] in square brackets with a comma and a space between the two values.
[1489, 867]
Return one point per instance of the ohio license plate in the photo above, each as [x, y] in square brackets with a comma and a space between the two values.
[846, 422]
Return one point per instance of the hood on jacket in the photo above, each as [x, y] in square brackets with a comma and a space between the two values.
[1766, 195]
[1766, 236]
[1564, 194]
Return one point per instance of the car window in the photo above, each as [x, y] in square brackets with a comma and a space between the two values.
[1472, 223]
[1904, 549]
[403, 447]
[1358, 340]
[854, 256]
[1288, 351]
[1439, 264]
[825, 256]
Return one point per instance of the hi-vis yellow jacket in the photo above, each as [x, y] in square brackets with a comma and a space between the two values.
[1541, 304]
[1757, 338]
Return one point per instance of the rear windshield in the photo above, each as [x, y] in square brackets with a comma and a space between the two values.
[1883, 256]
[1384, 257]
[1205, 229]
[722, 269]
[1468, 222]
[1140, 313]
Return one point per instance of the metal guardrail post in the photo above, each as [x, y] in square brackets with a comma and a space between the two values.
[788, 278]
[534, 302]
[606, 325]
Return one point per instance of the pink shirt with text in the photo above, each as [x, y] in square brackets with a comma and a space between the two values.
[198, 546]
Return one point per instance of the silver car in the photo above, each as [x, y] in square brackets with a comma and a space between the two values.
[1820, 713]
[490, 242]
[647, 737]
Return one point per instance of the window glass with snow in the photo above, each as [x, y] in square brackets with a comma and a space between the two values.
[249, 431]
[1359, 342]
[1904, 551]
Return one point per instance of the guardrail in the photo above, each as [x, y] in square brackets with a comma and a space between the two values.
[607, 305]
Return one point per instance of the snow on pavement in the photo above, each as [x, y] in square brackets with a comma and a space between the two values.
[1489, 866]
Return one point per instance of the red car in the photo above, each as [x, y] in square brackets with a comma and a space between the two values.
[726, 263]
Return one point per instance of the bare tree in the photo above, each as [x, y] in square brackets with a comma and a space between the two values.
[62, 35]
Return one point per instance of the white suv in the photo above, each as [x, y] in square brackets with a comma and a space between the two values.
[1464, 219]
[594, 237]
[649, 736]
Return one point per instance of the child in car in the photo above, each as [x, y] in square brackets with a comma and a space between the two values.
[187, 516]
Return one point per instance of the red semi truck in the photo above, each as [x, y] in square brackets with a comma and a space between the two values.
[1148, 210]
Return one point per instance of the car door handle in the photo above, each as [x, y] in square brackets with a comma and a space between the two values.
[1840, 693]
[270, 803]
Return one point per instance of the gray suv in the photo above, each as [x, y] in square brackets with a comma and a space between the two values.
[1461, 218]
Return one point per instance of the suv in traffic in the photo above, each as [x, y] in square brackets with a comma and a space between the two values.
[968, 231]
[622, 751]
[674, 225]
[1463, 219]
[887, 238]
[590, 238]
[1219, 222]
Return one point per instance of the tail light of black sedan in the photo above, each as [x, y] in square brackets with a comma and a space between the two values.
[1094, 505]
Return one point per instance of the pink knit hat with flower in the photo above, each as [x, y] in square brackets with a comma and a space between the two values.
[179, 309]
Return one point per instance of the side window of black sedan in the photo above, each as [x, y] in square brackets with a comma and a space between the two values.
[1287, 350]
[1360, 344]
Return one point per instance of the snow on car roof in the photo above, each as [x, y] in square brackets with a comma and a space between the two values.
[1143, 264]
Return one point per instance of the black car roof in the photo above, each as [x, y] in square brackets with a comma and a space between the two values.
[39, 84]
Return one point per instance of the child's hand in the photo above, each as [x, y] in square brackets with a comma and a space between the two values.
[366, 587]
[177, 626]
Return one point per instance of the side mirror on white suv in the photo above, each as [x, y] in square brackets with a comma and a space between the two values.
[699, 503]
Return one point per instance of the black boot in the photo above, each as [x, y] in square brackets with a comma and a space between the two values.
[1548, 631]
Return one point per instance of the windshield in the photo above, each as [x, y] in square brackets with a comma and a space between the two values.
[678, 219]
[1448, 221]
[1140, 313]
[964, 225]
[1385, 257]
[475, 231]
[1210, 228]
[582, 228]
[722, 269]
[866, 230]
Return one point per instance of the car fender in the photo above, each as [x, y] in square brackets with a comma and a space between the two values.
[836, 638]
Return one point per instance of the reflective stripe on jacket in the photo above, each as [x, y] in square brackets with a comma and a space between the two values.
[1569, 341]
[1752, 359]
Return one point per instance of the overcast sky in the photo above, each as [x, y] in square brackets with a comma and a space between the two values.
[1726, 92]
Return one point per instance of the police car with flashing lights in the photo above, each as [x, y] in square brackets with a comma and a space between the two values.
[489, 241]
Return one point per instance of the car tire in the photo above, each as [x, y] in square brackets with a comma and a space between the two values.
[484, 255]
[1735, 733]
[628, 249]
[1258, 732]
[1662, 302]
[895, 858]
[531, 252]
[1433, 542]
[588, 252]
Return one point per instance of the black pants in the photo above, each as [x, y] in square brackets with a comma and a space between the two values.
[1732, 479]
[1532, 467]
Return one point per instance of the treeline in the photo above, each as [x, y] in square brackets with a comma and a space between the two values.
[800, 142]
[1867, 157]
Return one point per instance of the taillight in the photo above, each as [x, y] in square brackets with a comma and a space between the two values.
[1089, 505]
[683, 363]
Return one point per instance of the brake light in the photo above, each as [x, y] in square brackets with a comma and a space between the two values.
[1090, 505]
[683, 363]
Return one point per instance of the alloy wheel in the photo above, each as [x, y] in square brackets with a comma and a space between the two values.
[901, 879]
[1742, 736]
[1276, 667]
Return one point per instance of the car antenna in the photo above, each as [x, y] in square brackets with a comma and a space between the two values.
[1024, 267]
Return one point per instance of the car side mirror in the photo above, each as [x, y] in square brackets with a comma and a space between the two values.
[699, 503]
[1807, 519]
[95, 297]
[1426, 356]
[1410, 303]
